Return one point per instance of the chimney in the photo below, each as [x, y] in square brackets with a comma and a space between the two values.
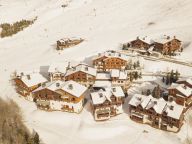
[139, 98]
[171, 107]
[100, 95]
[168, 37]
[174, 37]
[43, 84]
[143, 38]
[155, 102]
[137, 37]
[114, 89]
[57, 84]
[22, 74]
[28, 77]
[86, 68]
[70, 86]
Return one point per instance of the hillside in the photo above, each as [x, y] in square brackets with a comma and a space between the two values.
[104, 24]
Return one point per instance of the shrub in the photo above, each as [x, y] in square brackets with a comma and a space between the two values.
[11, 29]
[12, 129]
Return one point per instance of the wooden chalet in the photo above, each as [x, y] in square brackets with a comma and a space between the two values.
[60, 96]
[57, 71]
[158, 113]
[140, 43]
[110, 60]
[120, 78]
[181, 94]
[107, 103]
[68, 42]
[82, 73]
[167, 45]
[26, 83]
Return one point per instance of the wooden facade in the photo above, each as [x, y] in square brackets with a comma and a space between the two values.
[168, 47]
[140, 44]
[66, 43]
[110, 106]
[158, 120]
[23, 89]
[107, 63]
[81, 77]
[179, 97]
[58, 99]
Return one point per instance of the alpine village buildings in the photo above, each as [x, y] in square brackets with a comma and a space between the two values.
[165, 45]
[106, 83]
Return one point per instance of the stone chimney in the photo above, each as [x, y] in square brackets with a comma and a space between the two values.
[28, 77]
[70, 86]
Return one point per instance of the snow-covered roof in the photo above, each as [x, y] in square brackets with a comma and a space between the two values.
[172, 109]
[117, 91]
[103, 76]
[102, 84]
[185, 90]
[74, 88]
[113, 54]
[136, 100]
[83, 68]
[61, 66]
[164, 39]
[187, 80]
[146, 39]
[53, 86]
[32, 79]
[101, 96]
[70, 87]
[69, 39]
[119, 74]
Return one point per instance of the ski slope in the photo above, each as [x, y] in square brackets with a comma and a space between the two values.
[104, 24]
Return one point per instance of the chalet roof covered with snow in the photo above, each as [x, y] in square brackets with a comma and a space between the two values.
[33, 79]
[61, 66]
[173, 110]
[185, 90]
[100, 96]
[187, 80]
[146, 39]
[53, 86]
[164, 39]
[103, 84]
[119, 74]
[82, 68]
[74, 88]
[113, 54]
[103, 76]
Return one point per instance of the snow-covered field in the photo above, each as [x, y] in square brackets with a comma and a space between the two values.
[104, 24]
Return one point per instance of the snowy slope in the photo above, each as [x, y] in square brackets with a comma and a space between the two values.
[104, 24]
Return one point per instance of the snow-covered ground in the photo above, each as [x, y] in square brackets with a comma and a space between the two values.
[104, 24]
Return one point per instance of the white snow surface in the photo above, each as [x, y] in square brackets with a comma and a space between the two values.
[104, 24]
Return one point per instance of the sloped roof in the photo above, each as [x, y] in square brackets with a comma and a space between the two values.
[185, 90]
[61, 66]
[73, 88]
[53, 86]
[112, 54]
[164, 39]
[187, 80]
[33, 79]
[83, 68]
[101, 96]
[172, 109]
